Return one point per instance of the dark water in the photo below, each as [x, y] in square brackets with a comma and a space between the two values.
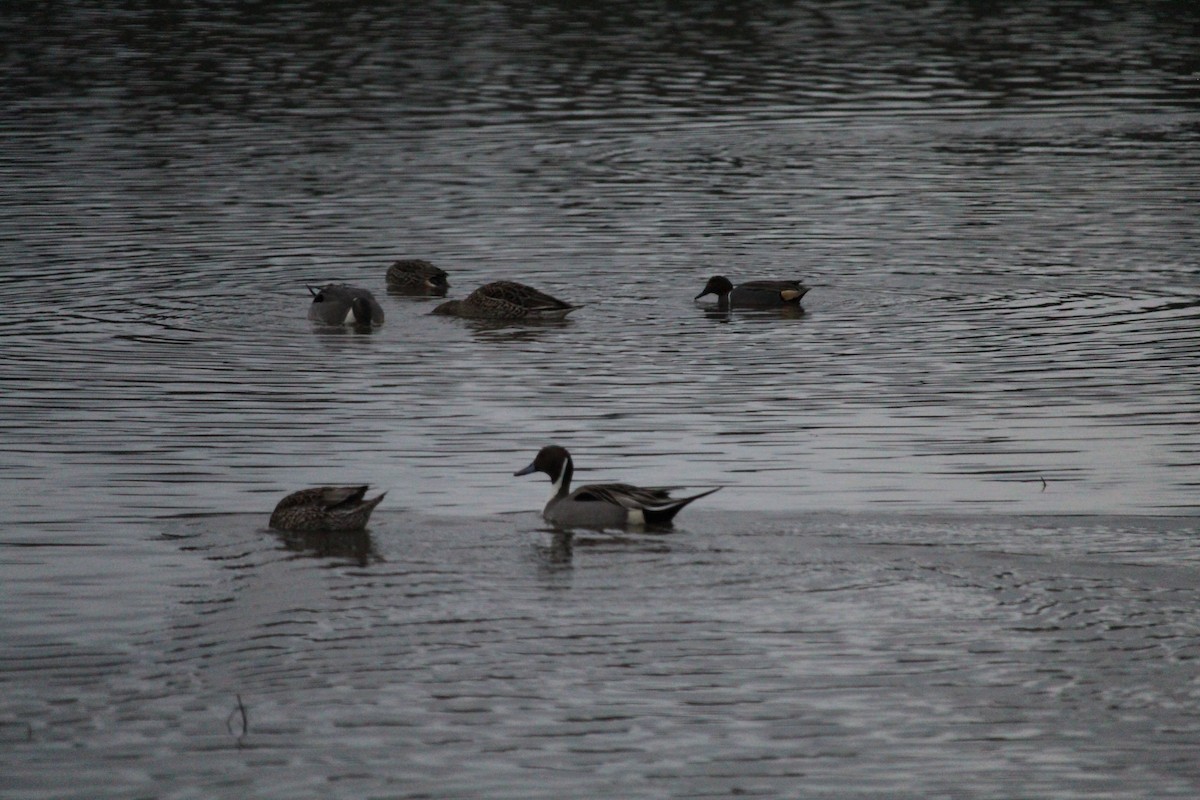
[955, 554]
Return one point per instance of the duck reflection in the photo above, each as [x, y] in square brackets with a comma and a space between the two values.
[557, 550]
[498, 330]
[784, 312]
[725, 315]
[356, 547]
[716, 314]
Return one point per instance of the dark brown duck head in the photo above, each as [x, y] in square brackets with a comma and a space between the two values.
[718, 285]
[553, 461]
[416, 276]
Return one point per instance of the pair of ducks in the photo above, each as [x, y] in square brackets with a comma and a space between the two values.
[345, 509]
[341, 304]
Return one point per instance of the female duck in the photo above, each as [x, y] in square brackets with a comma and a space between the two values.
[416, 276]
[754, 294]
[507, 300]
[602, 505]
[332, 509]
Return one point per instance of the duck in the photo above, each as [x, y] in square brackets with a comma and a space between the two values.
[754, 294]
[507, 300]
[330, 509]
[416, 276]
[602, 505]
[342, 304]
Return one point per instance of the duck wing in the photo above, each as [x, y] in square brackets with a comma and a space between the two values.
[623, 494]
[512, 299]
[324, 497]
[788, 291]
[656, 504]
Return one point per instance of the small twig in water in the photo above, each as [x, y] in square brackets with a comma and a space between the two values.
[1043, 480]
[245, 718]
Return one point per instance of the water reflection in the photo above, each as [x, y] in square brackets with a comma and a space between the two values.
[714, 313]
[416, 296]
[557, 551]
[323, 330]
[491, 330]
[355, 547]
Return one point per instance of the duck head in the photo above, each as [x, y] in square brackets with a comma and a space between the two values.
[556, 462]
[718, 285]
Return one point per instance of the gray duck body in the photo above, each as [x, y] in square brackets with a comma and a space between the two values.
[602, 505]
[754, 294]
[418, 277]
[506, 300]
[331, 509]
[342, 304]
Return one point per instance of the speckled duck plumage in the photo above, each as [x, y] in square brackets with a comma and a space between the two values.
[416, 276]
[334, 509]
[507, 300]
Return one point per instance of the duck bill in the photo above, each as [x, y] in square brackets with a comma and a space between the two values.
[697, 297]
[527, 471]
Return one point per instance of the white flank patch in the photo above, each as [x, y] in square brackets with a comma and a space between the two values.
[349, 320]
[637, 516]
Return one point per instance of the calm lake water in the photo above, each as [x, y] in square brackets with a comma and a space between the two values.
[956, 553]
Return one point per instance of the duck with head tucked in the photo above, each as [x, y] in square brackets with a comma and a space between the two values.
[754, 294]
[341, 304]
[507, 300]
[602, 505]
[416, 276]
[330, 509]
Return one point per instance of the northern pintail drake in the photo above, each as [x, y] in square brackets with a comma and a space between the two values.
[340, 304]
[602, 505]
[507, 300]
[333, 509]
[754, 294]
[416, 276]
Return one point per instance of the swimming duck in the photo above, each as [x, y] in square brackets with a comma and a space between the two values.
[416, 276]
[333, 509]
[756, 294]
[340, 304]
[507, 300]
[602, 505]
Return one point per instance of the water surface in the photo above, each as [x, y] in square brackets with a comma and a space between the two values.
[954, 551]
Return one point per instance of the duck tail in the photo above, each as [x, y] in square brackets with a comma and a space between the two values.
[356, 516]
[662, 515]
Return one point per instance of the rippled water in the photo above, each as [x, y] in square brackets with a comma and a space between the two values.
[995, 207]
